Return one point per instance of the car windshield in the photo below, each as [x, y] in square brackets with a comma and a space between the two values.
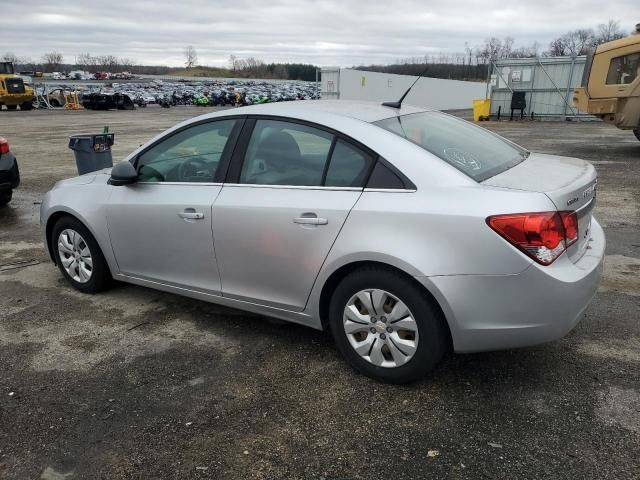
[471, 149]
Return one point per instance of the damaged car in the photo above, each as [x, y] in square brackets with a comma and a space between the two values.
[405, 232]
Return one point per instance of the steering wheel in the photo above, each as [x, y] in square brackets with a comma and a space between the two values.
[193, 167]
[466, 160]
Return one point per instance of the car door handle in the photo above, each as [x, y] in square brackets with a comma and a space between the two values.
[191, 214]
[310, 219]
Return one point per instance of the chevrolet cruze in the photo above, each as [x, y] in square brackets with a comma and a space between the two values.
[404, 231]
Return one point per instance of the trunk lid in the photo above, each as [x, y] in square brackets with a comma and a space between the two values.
[570, 183]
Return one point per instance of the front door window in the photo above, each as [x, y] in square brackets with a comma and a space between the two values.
[191, 155]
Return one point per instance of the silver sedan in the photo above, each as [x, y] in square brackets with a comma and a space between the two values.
[404, 231]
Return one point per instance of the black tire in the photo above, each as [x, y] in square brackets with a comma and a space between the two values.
[12, 107]
[26, 106]
[100, 276]
[637, 133]
[5, 197]
[54, 103]
[432, 330]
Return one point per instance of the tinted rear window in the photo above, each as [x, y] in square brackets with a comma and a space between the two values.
[471, 149]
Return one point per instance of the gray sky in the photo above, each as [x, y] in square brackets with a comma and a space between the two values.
[325, 32]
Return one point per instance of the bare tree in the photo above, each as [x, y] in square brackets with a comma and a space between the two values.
[11, 57]
[26, 63]
[127, 63]
[107, 63]
[191, 56]
[495, 49]
[507, 47]
[52, 61]
[557, 48]
[576, 42]
[86, 61]
[532, 51]
[580, 41]
[233, 62]
[609, 31]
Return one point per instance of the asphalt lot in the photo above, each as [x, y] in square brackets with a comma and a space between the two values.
[135, 383]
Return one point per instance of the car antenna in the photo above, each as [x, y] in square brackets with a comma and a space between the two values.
[398, 104]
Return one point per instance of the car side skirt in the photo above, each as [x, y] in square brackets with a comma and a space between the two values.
[282, 314]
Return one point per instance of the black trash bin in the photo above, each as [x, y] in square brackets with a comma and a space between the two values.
[92, 151]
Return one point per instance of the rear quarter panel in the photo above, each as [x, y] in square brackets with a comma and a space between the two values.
[434, 231]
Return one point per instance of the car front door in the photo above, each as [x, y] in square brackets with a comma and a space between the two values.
[161, 226]
[273, 229]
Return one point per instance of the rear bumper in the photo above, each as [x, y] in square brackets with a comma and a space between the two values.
[9, 173]
[541, 304]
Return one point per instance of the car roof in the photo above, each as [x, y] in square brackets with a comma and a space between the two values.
[360, 110]
[352, 118]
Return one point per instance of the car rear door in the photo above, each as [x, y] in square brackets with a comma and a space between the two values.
[161, 227]
[290, 189]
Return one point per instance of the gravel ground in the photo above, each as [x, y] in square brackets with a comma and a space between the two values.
[135, 383]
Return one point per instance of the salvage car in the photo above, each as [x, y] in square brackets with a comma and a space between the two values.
[9, 172]
[404, 231]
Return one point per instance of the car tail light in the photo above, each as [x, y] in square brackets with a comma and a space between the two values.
[542, 236]
[570, 222]
[4, 145]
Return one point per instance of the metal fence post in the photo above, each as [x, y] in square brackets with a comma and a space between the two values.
[566, 97]
[533, 86]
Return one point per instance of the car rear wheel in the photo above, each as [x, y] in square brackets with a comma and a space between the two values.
[637, 133]
[386, 326]
[79, 257]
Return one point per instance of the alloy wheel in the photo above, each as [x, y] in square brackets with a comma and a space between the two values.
[75, 255]
[380, 328]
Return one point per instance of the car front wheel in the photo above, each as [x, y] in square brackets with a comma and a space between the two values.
[78, 256]
[386, 326]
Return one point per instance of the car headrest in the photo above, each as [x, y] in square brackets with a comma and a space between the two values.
[279, 150]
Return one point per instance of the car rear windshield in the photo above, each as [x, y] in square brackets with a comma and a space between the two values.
[471, 149]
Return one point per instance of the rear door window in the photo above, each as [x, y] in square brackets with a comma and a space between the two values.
[286, 153]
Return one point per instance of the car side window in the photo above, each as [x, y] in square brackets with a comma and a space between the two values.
[285, 153]
[191, 155]
[624, 70]
[348, 167]
[383, 177]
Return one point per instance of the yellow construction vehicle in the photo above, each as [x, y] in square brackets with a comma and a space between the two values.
[611, 83]
[13, 91]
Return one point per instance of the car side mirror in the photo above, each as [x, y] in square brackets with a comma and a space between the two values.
[123, 174]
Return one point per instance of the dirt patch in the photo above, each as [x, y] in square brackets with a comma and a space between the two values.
[620, 406]
[621, 274]
[618, 207]
[627, 351]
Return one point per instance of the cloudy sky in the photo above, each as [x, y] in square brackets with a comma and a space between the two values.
[324, 32]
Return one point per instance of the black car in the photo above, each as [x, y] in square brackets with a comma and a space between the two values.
[9, 173]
